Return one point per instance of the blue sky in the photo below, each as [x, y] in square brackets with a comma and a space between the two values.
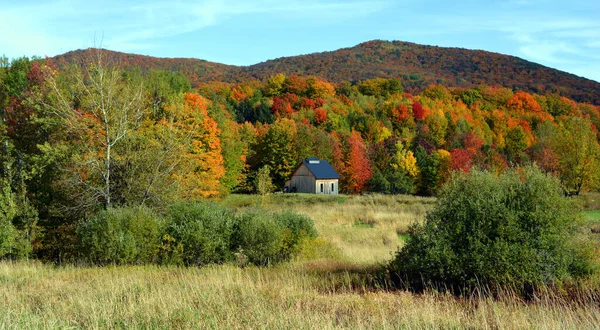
[558, 34]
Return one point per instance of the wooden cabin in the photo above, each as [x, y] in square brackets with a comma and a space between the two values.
[314, 176]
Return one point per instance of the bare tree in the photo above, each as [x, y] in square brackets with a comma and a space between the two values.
[100, 108]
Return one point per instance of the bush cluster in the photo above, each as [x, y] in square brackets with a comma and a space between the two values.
[516, 229]
[192, 234]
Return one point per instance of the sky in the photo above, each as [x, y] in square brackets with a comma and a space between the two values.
[560, 34]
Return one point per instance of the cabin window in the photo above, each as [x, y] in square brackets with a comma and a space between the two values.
[321, 187]
[332, 187]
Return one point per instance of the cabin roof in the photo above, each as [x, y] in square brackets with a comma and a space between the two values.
[321, 169]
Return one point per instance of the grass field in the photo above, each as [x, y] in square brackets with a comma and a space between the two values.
[328, 287]
[360, 229]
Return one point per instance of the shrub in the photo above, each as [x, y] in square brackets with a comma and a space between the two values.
[259, 237]
[270, 238]
[121, 236]
[515, 229]
[198, 233]
[297, 229]
[192, 234]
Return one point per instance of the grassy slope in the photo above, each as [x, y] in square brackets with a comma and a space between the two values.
[328, 292]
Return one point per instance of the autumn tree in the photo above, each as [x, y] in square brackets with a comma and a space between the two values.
[419, 113]
[274, 85]
[202, 160]
[523, 103]
[395, 168]
[380, 87]
[317, 88]
[357, 171]
[434, 168]
[153, 154]
[233, 147]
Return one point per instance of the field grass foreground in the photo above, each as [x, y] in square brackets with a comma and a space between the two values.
[293, 296]
[329, 288]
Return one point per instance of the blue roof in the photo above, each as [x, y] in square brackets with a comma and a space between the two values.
[321, 169]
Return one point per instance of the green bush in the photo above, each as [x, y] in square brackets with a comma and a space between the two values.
[297, 229]
[259, 237]
[270, 238]
[200, 233]
[516, 229]
[192, 234]
[121, 236]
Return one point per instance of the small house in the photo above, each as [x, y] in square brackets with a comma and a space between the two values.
[314, 176]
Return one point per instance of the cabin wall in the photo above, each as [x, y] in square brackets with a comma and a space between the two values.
[329, 187]
[302, 181]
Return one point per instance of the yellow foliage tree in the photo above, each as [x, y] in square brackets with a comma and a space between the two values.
[405, 160]
[318, 88]
[274, 85]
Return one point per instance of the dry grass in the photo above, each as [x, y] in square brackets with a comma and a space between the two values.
[366, 229]
[294, 296]
[331, 287]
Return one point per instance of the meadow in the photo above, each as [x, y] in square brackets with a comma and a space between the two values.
[330, 285]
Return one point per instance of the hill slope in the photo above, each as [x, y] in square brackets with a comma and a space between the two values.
[417, 66]
[195, 69]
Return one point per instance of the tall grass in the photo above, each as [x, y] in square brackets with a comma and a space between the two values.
[365, 229]
[293, 296]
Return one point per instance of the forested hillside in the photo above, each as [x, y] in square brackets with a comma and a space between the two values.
[416, 65]
[83, 138]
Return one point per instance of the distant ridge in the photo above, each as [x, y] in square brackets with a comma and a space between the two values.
[417, 66]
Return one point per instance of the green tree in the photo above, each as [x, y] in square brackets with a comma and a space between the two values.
[263, 183]
[165, 87]
[578, 153]
[277, 150]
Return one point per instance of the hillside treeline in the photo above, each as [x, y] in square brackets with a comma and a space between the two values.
[417, 66]
[83, 139]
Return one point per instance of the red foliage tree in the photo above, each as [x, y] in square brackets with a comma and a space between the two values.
[319, 102]
[470, 140]
[418, 111]
[290, 97]
[307, 103]
[320, 116]
[357, 171]
[462, 159]
[281, 108]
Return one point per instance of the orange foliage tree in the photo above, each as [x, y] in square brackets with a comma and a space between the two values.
[203, 162]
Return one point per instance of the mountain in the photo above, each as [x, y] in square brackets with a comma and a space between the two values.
[195, 69]
[416, 65]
